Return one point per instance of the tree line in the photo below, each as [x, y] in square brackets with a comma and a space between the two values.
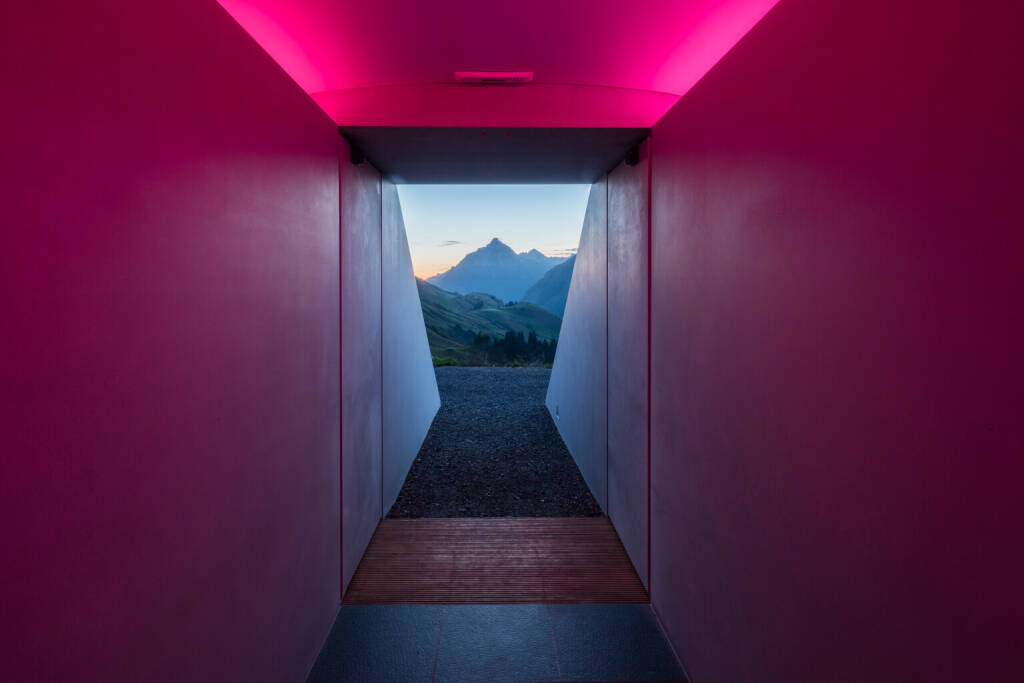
[515, 347]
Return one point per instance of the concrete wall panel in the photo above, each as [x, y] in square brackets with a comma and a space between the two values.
[627, 355]
[361, 476]
[577, 392]
[169, 374]
[411, 398]
[835, 354]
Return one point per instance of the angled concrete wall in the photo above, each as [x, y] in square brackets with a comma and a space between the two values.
[410, 396]
[388, 388]
[598, 390]
[836, 376]
[627, 355]
[577, 393]
[361, 380]
[169, 374]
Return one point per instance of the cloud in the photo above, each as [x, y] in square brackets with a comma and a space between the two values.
[564, 252]
[449, 243]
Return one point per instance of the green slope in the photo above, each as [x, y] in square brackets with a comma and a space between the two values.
[452, 320]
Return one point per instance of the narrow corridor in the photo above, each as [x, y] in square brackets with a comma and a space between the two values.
[495, 563]
[788, 370]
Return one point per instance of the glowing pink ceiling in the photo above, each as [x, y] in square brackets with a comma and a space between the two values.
[596, 62]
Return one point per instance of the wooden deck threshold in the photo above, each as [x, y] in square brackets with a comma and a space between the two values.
[495, 561]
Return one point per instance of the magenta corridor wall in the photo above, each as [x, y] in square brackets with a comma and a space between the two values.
[170, 354]
[836, 328]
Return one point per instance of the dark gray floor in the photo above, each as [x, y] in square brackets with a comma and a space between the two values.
[493, 451]
[496, 644]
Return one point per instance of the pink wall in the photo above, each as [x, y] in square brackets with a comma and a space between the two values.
[598, 64]
[170, 395]
[410, 398]
[361, 434]
[627, 355]
[577, 391]
[836, 294]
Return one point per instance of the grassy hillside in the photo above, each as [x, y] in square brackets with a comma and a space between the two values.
[453, 320]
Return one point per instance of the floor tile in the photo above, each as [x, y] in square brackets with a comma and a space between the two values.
[612, 643]
[496, 644]
[380, 644]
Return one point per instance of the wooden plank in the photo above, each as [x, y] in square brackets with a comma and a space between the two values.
[495, 560]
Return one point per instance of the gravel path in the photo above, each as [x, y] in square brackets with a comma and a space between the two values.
[493, 451]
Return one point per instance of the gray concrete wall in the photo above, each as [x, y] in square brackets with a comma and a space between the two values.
[627, 355]
[598, 395]
[577, 392]
[410, 396]
[361, 454]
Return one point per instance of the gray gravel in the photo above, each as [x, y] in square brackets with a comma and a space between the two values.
[493, 451]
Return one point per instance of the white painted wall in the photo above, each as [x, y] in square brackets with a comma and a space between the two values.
[578, 390]
[410, 398]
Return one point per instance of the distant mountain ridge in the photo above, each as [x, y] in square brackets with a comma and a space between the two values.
[497, 270]
[552, 290]
[453, 320]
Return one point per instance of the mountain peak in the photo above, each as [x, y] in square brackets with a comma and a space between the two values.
[496, 269]
[495, 249]
[537, 256]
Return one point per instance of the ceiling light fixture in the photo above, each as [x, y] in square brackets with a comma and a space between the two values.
[493, 77]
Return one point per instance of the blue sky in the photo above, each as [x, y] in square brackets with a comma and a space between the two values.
[446, 222]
